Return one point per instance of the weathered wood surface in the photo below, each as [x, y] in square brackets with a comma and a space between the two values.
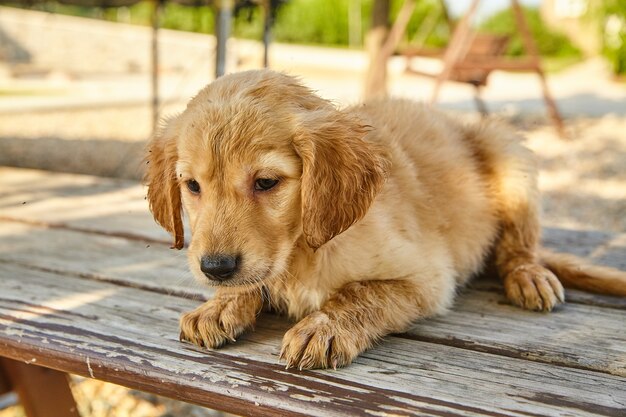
[94, 256]
[117, 207]
[81, 202]
[113, 207]
[573, 335]
[110, 332]
[109, 294]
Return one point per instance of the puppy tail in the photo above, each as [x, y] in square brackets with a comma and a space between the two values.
[575, 273]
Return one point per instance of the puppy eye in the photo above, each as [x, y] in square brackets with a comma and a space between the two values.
[193, 186]
[264, 184]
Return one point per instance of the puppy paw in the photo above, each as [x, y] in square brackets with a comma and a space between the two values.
[319, 342]
[533, 287]
[217, 322]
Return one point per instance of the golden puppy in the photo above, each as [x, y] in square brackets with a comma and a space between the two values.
[356, 222]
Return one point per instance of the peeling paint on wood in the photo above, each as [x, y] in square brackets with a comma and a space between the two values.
[105, 305]
[417, 377]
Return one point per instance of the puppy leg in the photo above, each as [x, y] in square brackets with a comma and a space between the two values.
[357, 316]
[221, 319]
[527, 283]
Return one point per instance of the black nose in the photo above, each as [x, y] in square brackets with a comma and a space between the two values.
[219, 267]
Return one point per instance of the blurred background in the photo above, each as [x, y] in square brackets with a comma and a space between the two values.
[84, 82]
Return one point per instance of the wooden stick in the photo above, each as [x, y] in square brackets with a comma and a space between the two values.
[398, 29]
[532, 51]
[457, 48]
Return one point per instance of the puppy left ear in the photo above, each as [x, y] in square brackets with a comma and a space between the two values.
[341, 172]
[163, 187]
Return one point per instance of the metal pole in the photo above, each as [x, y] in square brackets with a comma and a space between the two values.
[267, 30]
[223, 17]
[156, 14]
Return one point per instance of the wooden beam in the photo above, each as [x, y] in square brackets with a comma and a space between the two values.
[5, 384]
[411, 52]
[532, 51]
[42, 392]
[493, 63]
[398, 29]
[457, 48]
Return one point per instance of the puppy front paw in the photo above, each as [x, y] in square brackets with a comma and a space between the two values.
[317, 341]
[217, 322]
[533, 287]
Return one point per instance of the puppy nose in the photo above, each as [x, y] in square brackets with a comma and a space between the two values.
[219, 267]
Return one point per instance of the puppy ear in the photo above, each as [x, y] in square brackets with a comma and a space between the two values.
[341, 173]
[163, 187]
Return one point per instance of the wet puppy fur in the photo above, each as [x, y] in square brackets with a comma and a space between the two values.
[355, 222]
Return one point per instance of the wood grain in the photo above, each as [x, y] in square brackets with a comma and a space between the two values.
[117, 207]
[580, 336]
[106, 258]
[166, 270]
[89, 286]
[79, 202]
[110, 332]
[574, 335]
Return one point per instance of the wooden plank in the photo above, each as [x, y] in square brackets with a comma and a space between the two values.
[107, 258]
[109, 332]
[163, 270]
[480, 320]
[166, 270]
[118, 206]
[79, 202]
[112, 206]
[493, 63]
[579, 336]
[42, 392]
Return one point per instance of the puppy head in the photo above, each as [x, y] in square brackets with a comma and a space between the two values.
[260, 163]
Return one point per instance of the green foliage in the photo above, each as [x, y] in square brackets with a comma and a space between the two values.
[190, 19]
[549, 42]
[323, 22]
[617, 7]
[427, 21]
[613, 21]
[248, 23]
[327, 21]
[313, 21]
